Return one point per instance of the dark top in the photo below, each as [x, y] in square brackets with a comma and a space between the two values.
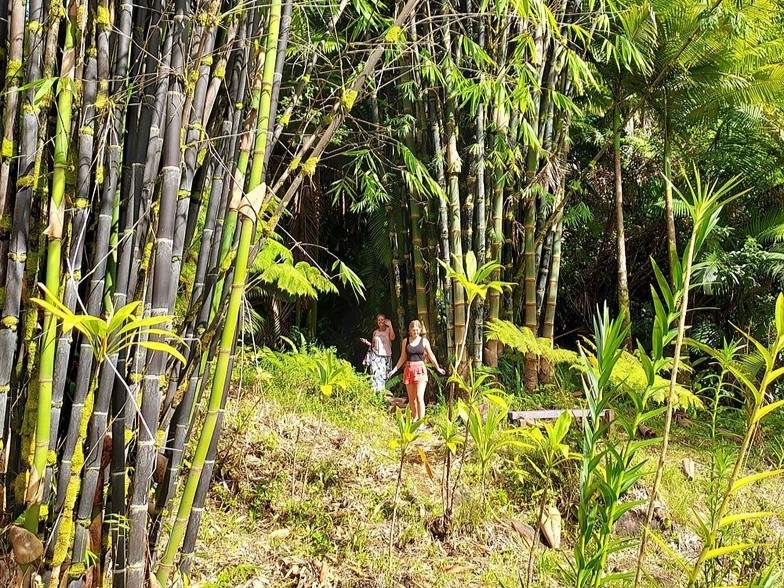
[416, 352]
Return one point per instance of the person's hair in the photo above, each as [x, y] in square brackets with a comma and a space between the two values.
[416, 323]
[381, 314]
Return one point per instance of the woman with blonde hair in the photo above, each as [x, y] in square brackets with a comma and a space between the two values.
[380, 352]
[413, 351]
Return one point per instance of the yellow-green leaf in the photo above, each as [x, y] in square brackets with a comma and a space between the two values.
[326, 389]
[425, 462]
[719, 551]
[745, 516]
[676, 557]
[740, 483]
[766, 410]
[163, 347]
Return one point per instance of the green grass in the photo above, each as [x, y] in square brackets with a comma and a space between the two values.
[288, 524]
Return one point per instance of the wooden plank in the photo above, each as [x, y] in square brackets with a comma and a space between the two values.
[550, 415]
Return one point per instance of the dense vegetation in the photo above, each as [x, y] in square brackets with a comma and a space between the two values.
[180, 181]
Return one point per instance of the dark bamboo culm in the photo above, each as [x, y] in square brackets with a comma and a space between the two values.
[167, 114]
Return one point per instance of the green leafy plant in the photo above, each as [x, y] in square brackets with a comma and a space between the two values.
[758, 407]
[487, 433]
[330, 373]
[609, 469]
[472, 388]
[704, 202]
[407, 433]
[120, 329]
[552, 454]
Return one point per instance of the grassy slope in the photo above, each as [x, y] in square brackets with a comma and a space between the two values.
[267, 526]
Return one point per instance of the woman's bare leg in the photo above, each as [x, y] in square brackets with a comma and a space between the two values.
[412, 400]
[420, 398]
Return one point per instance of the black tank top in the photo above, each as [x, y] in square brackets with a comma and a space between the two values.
[416, 352]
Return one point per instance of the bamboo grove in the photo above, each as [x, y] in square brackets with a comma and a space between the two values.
[152, 149]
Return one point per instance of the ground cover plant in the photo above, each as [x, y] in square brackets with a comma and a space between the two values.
[201, 201]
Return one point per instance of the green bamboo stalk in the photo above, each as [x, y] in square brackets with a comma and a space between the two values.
[249, 208]
[548, 323]
[672, 248]
[415, 218]
[55, 235]
[73, 277]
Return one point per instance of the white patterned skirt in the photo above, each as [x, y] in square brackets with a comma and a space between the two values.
[379, 368]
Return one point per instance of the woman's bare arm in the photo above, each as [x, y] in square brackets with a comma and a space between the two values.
[432, 357]
[402, 360]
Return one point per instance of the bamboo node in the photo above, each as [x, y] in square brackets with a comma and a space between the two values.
[8, 148]
[81, 203]
[5, 389]
[284, 119]
[10, 322]
[294, 163]
[57, 10]
[85, 130]
[239, 106]
[183, 194]
[17, 257]
[99, 175]
[27, 181]
[220, 72]
[34, 27]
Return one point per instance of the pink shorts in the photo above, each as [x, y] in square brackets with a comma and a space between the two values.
[415, 372]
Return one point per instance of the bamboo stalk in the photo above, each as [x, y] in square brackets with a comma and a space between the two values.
[249, 209]
[73, 278]
[54, 233]
[443, 218]
[14, 73]
[162, 284]
[18, 249]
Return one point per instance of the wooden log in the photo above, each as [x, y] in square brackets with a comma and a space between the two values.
[531, 416]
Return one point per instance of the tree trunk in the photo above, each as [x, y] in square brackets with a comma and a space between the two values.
[623, 281]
